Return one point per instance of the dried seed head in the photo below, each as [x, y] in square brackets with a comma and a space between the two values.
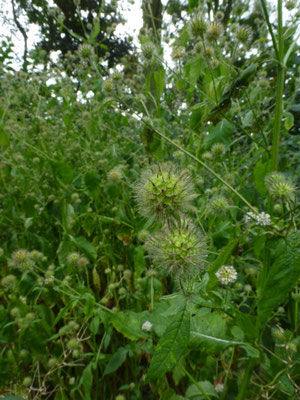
[179, 250]
[164, 192]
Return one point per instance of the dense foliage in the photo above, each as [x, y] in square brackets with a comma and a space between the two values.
[149, 214]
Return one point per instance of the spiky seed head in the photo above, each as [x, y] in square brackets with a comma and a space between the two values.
[215, 31]
[207, 155]
[148, 50]
[22, 259]
[244, 34]
[86, 51]
[208, 51]
[279, 186]
[180, 250]
[215, 63]
[226, 274]
[164, 192]
[219, 16]
[108, 85]
[218, 205]
[218, 150]
[8, 281]
[73, 258]
[197, 26]
[115, 175]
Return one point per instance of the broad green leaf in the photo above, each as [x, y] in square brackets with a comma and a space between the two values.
[281, 278]
[87, 380]
[84, 245]
[194, 393]
[247, 323]
[116, 361]
[209, 331]
[129, 324]
[62, 172]
[171, 346]
[11, 397]
[159, 79]
[194, 69]
[221, 133]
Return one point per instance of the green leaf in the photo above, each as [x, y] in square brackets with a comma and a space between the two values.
[87, 380]
[91, 180]
[194, 69]
[116, 361]
[221, 133]
[281, 278]
[129, 324]
[3, 137]
[261, 169]
[195, 394]
[171, 346]
[139, 260]
[63, 172]
[159, 79]
[10, 397]
[84, 245]
[65, 247]
[288, 121]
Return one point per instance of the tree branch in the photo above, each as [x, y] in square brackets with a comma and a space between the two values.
[23, 32]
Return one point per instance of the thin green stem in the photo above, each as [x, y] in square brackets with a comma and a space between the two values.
[279, 94]
[207, 168]
[246, 378]
[264, 7]
[194, 382]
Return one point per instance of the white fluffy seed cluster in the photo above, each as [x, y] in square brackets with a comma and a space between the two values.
[262, 219]
[147, 326]
[226, 274]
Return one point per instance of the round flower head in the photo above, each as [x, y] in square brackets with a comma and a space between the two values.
[244, 34]
[218, 205]
[218, 150]
[148, 50]
[22, 259]
[279, 186]
[180, 250]
[197, 26]
[164, 192]
[147, 326]
[215, 31]
[86, 51]
[226, 274]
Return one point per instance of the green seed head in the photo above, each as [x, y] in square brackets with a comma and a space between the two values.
[8, 281]
[244, 35]
[218, 205]
[73, 258]
[148, 50]
[279, 186]
[180, 250]
[164, 192]
[197, 26]
[218, 150]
